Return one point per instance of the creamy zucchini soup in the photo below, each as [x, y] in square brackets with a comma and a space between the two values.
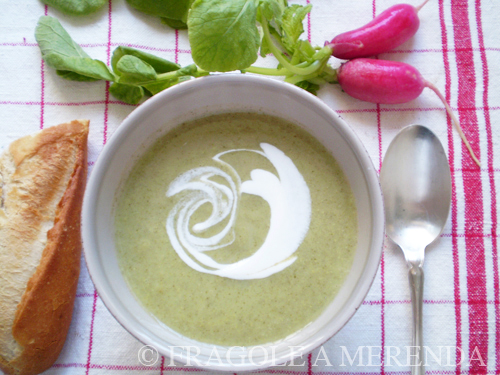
[236, 229]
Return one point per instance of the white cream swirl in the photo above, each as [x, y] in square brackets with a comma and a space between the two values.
[287, 195]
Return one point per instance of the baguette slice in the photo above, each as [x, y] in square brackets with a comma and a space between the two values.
[42, 181]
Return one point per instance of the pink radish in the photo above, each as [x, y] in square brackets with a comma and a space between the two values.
[389, 82]
[388, 30]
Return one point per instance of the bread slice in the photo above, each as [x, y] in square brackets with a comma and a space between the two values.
[42, 181]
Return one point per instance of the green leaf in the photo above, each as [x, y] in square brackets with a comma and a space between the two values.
[169, 79]
[264, 47]
[52, 38]
[190, 70]
[61, 52]
[271, 9]
[134, 71]
[223, 34]
[76, 7]
[159, 65]
[126, 93]
[292, 24]
[173, 9]
[309, 51]
[302, 53]
[308, 86]
[174, 24]
[72, 76]
[158, 86]
[84, 66]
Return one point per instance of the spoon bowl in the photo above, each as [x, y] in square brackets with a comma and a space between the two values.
[416, 183]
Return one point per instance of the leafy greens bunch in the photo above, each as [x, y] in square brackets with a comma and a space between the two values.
[224, 35]
[171, 13]
[133, 73]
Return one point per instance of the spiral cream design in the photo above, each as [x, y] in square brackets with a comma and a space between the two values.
[286, 193]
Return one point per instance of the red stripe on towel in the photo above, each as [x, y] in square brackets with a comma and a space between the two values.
[491, 177]
[42, 83]
[91, 335]
[106, 106]
[176, 46]
[454, 237]
[108, 61]
[382, 259]
[475, 253]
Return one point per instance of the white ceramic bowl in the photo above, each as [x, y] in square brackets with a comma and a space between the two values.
[190, 100]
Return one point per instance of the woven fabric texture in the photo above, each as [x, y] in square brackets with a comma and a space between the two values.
[457, 48]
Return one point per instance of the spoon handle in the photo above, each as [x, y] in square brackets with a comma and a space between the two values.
[416, 276]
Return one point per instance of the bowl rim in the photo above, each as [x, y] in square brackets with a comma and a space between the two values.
[152, 104]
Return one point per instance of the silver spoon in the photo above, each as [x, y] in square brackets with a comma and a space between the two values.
[416, 184]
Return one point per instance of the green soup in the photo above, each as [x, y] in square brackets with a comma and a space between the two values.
[261, 300]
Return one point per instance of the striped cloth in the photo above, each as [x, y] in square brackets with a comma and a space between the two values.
[457, 48]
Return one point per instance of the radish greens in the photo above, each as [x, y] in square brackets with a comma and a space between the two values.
[225, 35]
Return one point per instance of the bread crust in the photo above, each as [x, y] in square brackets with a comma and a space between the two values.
[43, 315]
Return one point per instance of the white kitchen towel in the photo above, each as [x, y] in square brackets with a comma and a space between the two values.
[457, 48]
